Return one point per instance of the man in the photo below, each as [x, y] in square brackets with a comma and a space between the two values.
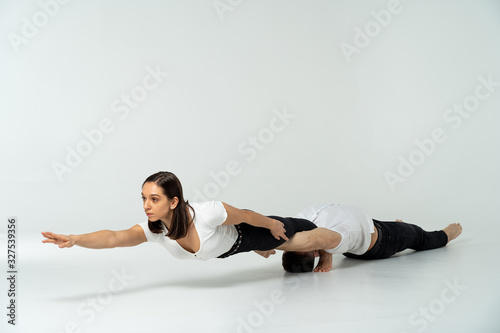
[351, 232]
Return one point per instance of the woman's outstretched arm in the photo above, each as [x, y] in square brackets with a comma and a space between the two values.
[103, 239]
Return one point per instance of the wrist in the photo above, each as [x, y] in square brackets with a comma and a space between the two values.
[74, 239]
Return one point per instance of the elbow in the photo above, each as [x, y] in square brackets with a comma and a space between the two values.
[246, 217]
[323, 239]
[331, 241]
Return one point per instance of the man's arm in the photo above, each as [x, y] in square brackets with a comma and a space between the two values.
[316, 239]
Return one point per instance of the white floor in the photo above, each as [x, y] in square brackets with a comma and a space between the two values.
[453, 289]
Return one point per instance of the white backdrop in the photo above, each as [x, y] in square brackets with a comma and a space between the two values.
[268, 105]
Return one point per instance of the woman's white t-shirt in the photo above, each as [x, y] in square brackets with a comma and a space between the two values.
[215, 238]
[352, 223]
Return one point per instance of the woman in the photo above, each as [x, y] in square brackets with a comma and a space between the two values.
[199, 230]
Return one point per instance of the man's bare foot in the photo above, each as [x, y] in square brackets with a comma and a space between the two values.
[453, 231]
[325, 262]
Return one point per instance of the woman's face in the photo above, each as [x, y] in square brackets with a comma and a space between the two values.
[156, 204]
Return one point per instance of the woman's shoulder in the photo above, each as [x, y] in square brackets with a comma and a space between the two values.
[206, 205]
[150, 236]
[212, 212]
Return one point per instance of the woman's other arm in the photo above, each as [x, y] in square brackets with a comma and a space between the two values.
[236, 216]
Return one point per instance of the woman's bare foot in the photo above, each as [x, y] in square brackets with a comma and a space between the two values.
[453, 231]
[325, 262]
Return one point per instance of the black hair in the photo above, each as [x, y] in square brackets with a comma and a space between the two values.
[295, 262]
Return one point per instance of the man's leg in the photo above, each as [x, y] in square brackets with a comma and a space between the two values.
[395, 237]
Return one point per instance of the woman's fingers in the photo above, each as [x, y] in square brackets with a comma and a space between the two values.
[48, 234]
[283, 231]
[54, 238]
[265, 254]
[278, 230]
[281, 234]
[63, 245]
[269, 253]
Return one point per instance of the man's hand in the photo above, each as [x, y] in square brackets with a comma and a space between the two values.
[265, 254]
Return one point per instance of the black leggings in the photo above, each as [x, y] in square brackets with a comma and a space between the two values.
[254, 238]
[394, 237]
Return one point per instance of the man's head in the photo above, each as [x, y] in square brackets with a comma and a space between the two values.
[298, 262]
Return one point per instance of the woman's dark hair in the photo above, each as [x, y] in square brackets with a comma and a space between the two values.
[180, 219]
[298, 262]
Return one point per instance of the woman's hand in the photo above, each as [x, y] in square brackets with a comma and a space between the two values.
[61, 240]
[278, 230]
[236, 216]
[265, 254]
